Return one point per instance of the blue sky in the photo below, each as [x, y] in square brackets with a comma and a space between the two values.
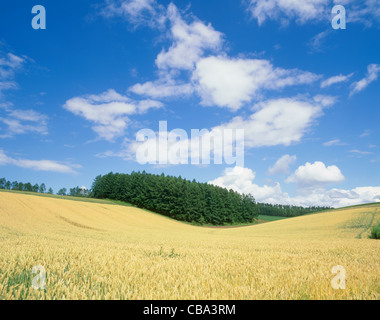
[73, 96]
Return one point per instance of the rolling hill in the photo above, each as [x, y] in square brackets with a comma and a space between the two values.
[102, 250]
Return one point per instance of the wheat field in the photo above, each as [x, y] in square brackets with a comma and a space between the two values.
[104, 251]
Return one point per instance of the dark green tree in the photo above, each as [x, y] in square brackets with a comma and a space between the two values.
[3, 181]
[20, 186]
[14, 185]
[8, 185]
[28, 187]
[42, 188]
[62, 192]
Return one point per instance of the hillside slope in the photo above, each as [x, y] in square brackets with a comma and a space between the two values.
[96, 250]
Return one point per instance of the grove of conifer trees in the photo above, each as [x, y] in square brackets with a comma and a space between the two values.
[177, 198]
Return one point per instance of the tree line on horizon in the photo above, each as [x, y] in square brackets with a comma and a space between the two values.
[175, 197]
[41, 188]
[186, 200]
[281, 210]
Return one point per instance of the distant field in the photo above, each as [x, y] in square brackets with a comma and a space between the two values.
[100, 250]
[55, 196]
[265, 218]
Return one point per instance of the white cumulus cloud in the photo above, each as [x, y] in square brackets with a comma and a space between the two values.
[189, 42]
[316, 175]
[278, 121]
[109, 111]
[228, 82]
[242, 180]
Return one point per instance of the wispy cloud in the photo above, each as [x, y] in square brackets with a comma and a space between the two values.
[17, 121]
[39, 165]
[165, 86]
[303, 11]
[282, 165]
[136, 12]
[335, 79]
[317, 42]
[360, 152]
[9, 64]
[366, 133]
[300, 10]
[371, 76]
[335, 142]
